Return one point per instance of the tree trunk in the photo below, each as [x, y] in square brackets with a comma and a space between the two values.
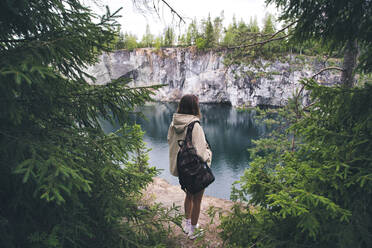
[350, 59]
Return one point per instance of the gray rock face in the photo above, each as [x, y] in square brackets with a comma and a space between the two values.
[185, 71]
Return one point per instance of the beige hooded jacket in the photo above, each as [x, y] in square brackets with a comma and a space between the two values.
[177, 131]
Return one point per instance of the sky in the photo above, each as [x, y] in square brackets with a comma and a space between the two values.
[134, 19]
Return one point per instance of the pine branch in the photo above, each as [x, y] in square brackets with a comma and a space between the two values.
[17, 40]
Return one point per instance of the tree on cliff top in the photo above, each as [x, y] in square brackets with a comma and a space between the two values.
[346, 24]
[63, 181]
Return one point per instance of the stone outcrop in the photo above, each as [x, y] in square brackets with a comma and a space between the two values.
[185, 71]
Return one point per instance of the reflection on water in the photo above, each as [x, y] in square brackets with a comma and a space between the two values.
[229, 132]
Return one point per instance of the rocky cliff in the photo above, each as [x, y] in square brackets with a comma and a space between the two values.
[186, 71]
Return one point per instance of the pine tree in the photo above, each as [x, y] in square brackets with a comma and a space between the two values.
[63, 181]
[268, 27]
[253, 25]
[231, 33]
[209, 35]
[148, 38]
[169, 37]
[218, 27]
[130, 41]
[159, 42]
[310, 180]
[120, 44]
[268, 30]
[192, 33]
[182, 40]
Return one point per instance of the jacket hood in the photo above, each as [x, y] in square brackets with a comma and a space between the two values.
[181, 121]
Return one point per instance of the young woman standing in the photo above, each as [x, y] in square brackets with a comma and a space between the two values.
[187, 112]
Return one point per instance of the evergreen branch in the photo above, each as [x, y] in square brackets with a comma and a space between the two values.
[8, 135]
[54, 152]
[96, 91]
[155, 86]
[39, 41]
[17, 40]
[66, 34]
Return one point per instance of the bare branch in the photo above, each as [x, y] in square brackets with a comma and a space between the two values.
[327, 69]
[257, 43]
[266, 41]
[316, 74]
[173, 11]
[308, 106]
[283, 29]
[154, 6]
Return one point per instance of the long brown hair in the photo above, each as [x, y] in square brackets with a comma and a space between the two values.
[189, 104]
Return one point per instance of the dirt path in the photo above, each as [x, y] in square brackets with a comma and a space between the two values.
[160, 191]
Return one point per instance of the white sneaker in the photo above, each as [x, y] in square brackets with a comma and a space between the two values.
[196, 233]
[186, 228]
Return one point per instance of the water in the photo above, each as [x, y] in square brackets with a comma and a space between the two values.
[229, 132]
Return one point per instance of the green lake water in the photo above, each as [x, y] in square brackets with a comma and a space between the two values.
[230, 133]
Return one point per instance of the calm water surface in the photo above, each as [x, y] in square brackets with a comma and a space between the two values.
[230, 133]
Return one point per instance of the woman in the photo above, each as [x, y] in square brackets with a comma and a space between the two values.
[188, 111]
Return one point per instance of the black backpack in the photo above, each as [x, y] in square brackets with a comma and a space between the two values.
[194, 174]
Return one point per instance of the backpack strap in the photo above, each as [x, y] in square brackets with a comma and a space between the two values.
[190, 127]
[209, 145]
[189, 134]
[188, 137]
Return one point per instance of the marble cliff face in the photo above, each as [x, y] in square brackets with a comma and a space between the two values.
[185, 71]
